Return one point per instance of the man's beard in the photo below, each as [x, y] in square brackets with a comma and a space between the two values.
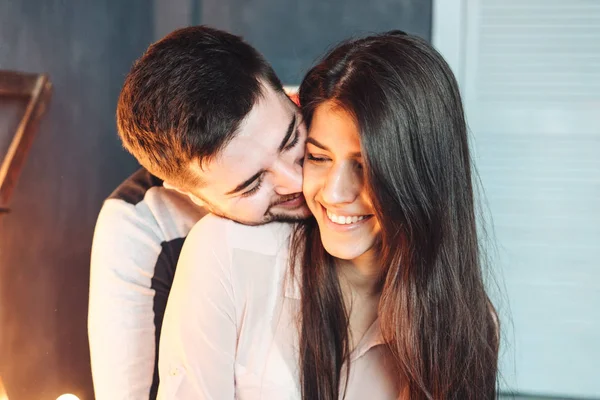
[269, 215]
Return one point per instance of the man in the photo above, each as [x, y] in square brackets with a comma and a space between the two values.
[207, 118]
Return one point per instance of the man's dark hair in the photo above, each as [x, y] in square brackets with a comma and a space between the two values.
[184, 99]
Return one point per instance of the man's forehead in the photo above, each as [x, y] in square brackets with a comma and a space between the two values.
[244, 156]
[242, 153]
[256, 141]
[237, 161]
[271, 110]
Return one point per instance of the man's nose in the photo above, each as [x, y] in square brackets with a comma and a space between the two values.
[288, 177]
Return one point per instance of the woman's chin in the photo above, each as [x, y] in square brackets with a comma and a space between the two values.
[344, 251]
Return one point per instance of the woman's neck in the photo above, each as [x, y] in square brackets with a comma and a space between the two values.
[360, 276]
[359, 281]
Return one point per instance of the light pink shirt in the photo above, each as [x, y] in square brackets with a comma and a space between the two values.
[230, 329]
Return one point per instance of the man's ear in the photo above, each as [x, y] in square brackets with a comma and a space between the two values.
[195, 199]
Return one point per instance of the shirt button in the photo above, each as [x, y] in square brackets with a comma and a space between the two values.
[174, 371]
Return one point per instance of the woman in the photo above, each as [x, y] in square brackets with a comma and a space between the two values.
[378, 296]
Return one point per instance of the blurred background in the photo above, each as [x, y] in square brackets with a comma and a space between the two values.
[529, 71]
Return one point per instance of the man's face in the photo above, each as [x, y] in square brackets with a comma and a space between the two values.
[257, 177]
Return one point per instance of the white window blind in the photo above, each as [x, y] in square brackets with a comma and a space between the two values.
[530, 76]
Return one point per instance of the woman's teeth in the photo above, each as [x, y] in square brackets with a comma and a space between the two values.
[342, 220]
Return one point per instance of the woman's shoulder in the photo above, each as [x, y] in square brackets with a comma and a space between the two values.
[224, 235]
[252, 259]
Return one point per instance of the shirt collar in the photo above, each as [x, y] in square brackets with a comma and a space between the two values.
[371, 338]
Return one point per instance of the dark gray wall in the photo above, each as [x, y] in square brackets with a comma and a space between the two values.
[293, 34]
[86, 46]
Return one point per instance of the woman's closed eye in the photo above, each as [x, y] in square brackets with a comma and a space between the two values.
[316, 158]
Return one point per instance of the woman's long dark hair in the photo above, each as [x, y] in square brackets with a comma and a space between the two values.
[435, 315]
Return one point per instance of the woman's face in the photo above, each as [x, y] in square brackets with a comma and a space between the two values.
[334, 185]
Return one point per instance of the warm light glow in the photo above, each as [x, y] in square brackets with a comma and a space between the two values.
[289, 89]
[67, 396]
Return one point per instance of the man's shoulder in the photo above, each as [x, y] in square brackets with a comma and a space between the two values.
[133, 189]
[142, 204]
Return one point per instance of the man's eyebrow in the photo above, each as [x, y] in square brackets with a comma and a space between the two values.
[246, 183]
[289, 132]
[320, 145]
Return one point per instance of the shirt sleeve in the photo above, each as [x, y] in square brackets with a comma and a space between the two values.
[121, 319]
[198, 340]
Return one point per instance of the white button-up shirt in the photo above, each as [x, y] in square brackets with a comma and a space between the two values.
[231, 325]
